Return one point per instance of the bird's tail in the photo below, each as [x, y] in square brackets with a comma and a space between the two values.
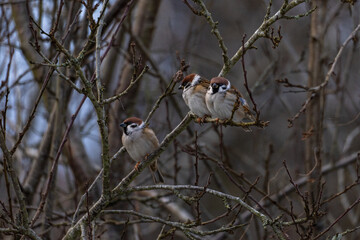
[246, 129]
[246, 110]
[250, 116]
[156, 174]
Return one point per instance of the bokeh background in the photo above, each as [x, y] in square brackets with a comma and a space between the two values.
[248, 165]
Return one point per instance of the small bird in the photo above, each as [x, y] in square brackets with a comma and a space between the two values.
[140, 141]
[194, 89]
[225, 101]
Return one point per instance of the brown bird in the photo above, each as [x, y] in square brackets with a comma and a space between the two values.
[194, 89]
[140, 141]
[222, 100]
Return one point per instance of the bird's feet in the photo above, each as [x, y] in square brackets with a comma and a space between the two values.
[217, 121]
[228, 121]
[200, 120]
[137, 166]
[138, 163]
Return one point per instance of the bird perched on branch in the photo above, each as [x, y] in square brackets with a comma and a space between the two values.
[140, 141]
[194, 89]
[226, 102]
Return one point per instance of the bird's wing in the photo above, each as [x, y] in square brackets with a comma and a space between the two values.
[242, 103]
[153, 137]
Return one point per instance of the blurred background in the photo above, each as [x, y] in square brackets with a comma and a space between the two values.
[320, 148]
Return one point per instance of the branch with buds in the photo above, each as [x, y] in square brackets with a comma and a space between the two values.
[260, 124]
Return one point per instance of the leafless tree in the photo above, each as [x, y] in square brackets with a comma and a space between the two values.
[72, 71]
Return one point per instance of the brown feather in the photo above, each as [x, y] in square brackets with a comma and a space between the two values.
[219, 80]
[133, 120]
[194, 96]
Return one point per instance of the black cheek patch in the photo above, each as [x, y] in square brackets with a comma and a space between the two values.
[215, 88]
[125, 130]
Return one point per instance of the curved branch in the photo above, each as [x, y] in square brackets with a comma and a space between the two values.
[184, 227]
[261, 31]
[122, 187]
[275, 224]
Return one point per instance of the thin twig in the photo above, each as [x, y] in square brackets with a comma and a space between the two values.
[99, 87]
[15, 181]
[214, 29]
[181, 226]
[53, 167]
[132, 83]
[336, 59]
[168, 92]
[83, 197]
[43, 87]
[338, 219]
[302, 110]
[260, 124]
[316, 89]
[246, 81]
[261, 32]
[117, 192]
[264, 219]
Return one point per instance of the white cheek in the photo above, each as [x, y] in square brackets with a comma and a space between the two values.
[195, 80]
[129, 130]
[223, 89]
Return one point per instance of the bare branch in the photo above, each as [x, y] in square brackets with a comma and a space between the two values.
[214, 30]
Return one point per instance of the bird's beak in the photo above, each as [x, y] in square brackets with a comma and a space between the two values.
[181, 87]
[123, 125]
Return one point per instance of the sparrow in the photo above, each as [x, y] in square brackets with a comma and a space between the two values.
[225, 101]
[194, 89]
[140, 141]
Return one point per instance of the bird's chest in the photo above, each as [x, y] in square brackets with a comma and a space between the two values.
[137, 145]
[222, 105]
[196, 102]
[188, 95]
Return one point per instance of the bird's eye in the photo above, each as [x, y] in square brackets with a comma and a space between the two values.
[187, 85]
[214, 85]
